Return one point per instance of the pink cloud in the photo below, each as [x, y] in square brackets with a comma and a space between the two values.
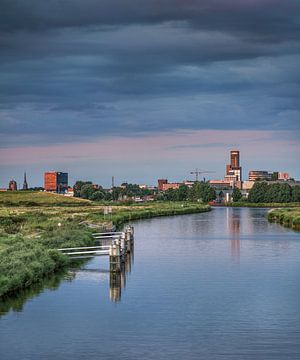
[177, 145]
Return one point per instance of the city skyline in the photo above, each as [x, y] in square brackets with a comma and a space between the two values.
[145, 89]
[204, 174]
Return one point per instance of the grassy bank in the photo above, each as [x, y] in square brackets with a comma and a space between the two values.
[286, 217]
[264, 205]
[34, 225]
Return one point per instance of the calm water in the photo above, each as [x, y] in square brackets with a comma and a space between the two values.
[220, 285]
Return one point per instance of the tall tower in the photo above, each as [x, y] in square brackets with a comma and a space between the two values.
[234, 170]
[112, 182]
[25, 185]
[235, 159]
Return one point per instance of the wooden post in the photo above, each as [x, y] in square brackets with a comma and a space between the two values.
[115, 257]
[131, 230]
[128, 240]
[123, 244]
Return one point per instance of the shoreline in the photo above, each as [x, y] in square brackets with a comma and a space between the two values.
[289, 218]
[261, 205]
[26, 260]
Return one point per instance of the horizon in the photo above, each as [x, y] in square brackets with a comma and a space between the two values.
[141, 90]
[118, 182]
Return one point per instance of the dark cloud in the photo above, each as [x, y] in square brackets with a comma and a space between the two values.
[271, 18]
[71, 69]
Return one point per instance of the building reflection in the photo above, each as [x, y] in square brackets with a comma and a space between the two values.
[117, 280]
[234, 223]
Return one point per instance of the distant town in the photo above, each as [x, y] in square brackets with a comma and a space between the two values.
[223, 189]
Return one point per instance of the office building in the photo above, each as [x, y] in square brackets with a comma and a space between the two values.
[255, 175]
[56, 181]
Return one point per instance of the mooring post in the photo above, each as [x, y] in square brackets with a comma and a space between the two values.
[128, 239]
[115, 256]
[123, 244]
[131, 230]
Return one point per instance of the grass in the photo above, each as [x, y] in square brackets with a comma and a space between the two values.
[38, 198]
[30, 231]
[286, 217]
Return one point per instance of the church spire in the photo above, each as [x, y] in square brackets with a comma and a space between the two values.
[25, 185]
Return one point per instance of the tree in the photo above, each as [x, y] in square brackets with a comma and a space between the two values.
[236, 195]
[87, 191]
[258, 192]
[285, 193]
[78, 185]
[296, 193]
[202, 191]
[97, 195]
[274, 176]
[182, 193]
[262, 192]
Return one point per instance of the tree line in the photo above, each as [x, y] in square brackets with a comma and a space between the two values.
[262, 192]
[200, 191]
[87, 190]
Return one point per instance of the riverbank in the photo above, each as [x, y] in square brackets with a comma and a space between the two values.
[286, 217]
[30, 234]
[264, 205]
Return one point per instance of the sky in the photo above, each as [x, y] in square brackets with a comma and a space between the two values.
[147, 89]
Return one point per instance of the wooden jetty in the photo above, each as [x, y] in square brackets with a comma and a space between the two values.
[115, 245]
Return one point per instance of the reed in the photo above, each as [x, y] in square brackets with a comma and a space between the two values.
[287, 217]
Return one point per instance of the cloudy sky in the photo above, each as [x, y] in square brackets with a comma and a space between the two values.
[142, 89]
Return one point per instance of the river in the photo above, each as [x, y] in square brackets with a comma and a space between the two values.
[218, 285]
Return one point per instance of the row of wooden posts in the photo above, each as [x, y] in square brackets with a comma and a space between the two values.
[114, 244]
[119, 249]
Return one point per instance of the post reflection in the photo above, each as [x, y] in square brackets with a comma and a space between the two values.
[117, 280]
[233, 223]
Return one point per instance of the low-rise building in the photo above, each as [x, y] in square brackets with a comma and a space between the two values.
[283, 176]
[160, 183]
[168, 186]
[247, 185]
[12, 186]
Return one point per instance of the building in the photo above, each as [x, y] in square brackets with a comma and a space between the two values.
[189, 183]
[283, 176]
[220, 184]
[69, 192]
[247, 185]
[146, 187]
[234, 170]
[255, 175]
[168, 186]
[160, 183]
[56, 181]
[164, 185]
[12, 186]
[25, 185]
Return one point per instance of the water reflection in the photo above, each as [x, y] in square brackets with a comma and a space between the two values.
[234, 229]
[200, 303]
[117, 281]
[17, 301]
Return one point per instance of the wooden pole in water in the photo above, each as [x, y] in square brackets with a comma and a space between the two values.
[128, 239]
[115, 257]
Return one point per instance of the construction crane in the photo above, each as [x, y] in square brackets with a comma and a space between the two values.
[198, 172]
